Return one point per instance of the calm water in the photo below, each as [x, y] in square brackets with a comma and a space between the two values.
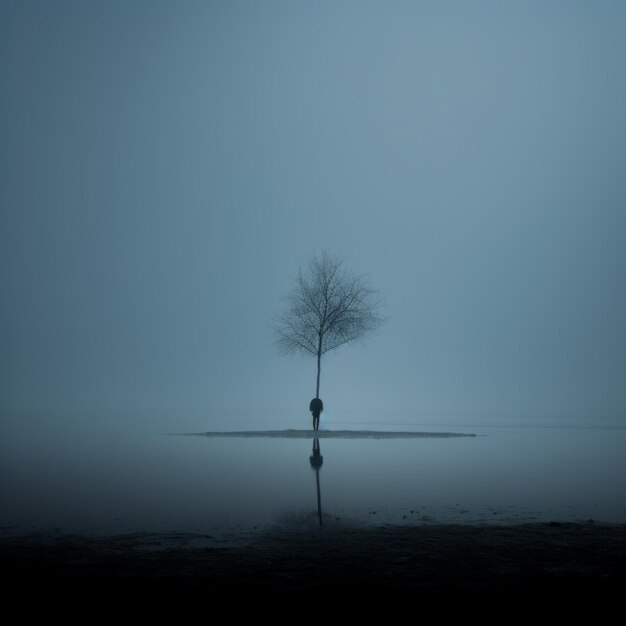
[157, 482]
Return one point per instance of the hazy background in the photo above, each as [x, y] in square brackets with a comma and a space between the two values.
[166, 167]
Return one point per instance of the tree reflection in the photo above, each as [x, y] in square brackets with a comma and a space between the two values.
[316, 459]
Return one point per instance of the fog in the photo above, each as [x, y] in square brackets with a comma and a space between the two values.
[229, 486]
[167, 167]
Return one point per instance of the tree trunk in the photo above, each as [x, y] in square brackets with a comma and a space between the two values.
[319, 364]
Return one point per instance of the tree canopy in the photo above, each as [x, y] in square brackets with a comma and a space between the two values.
[327, 307]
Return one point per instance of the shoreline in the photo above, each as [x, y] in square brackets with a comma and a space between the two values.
[414, 563]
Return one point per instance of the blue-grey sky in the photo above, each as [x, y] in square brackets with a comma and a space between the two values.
[166, 167]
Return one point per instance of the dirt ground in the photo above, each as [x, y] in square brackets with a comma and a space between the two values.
[562, 564]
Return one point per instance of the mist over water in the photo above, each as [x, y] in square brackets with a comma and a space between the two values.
[120, 482]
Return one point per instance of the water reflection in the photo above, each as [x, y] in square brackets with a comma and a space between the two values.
[316, 459]
[118, 483]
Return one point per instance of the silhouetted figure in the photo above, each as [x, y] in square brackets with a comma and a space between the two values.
[316, 460]
[316, 407]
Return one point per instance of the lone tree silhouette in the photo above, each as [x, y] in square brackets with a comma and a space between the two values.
[327, 307]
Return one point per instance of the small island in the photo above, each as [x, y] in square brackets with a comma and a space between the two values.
[332, 434]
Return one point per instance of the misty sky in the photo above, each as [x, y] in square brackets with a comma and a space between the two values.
[166, 167]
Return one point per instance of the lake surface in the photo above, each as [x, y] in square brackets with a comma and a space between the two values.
[117, 483]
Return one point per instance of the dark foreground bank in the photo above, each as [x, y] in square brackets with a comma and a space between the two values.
[560, 563]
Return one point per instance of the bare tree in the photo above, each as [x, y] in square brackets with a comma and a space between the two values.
[327, 307]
